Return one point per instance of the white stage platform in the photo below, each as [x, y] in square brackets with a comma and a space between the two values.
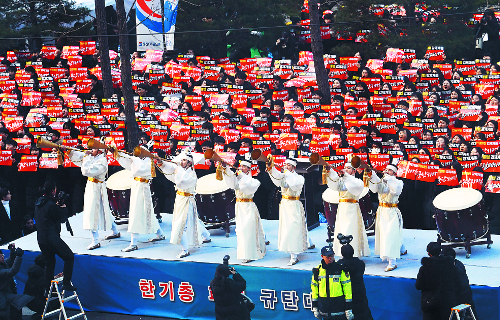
[483, 267]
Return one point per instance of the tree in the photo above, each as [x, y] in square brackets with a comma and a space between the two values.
[133, 130]
[414, 31]
[202, 17]
[102, 29]
[36, 19]
[317, 50]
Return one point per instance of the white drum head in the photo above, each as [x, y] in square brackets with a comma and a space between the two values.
[331, 196]
[364, 192]
[209, 185]
[122, 180]
[457, 199]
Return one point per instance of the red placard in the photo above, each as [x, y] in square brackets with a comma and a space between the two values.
[491, 163]
[87, 48]
[426, 172]
[356, 140]
[407, 169]
[28, 163]
[492, 184]
[287, 141]
[447, 177]
[472, 179]
[48, 161]
[5, 158]
[379, 161]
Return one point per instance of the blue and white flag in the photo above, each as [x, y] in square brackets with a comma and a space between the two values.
[149, 25]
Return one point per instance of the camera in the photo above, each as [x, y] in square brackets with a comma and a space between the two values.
[344, 239]
[62, 197]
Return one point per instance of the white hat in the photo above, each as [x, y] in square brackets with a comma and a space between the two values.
[348, 165]
[185, 156]
[291, 162]
[245, 163]
[392, 167]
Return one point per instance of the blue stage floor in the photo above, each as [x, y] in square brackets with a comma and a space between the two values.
[111, 281]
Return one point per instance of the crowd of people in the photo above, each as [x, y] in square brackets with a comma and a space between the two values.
[430, 123]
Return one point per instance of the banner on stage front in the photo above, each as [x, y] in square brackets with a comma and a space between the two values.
[149, 24]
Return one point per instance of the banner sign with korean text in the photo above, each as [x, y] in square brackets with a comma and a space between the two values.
[149, 24]
[180, 289]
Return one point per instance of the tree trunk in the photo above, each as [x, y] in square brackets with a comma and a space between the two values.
[102, 31]
[317, 49]
[126, 77]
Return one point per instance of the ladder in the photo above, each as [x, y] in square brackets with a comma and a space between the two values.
[461, 310]
[56, 294]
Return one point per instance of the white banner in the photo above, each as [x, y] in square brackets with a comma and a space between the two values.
[149, 26]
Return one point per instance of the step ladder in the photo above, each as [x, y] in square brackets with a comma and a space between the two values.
[55, 293]
[460, 312]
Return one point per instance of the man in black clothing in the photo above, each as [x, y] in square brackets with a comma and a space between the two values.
[356, 269]
[226, 287]
[10, 220]
[49, 214]
[464, 291]
[8, 292]
[436, 280]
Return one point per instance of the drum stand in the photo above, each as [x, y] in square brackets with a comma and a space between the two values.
[467, 243]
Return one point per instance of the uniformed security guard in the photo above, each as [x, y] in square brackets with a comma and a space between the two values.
[331, 289]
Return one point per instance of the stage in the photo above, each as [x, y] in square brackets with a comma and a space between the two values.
[152, 281]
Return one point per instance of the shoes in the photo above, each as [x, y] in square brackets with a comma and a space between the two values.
[207, 240]
[403, 253]
[183, 255]
[113, 236]
[312, 247]
[390, 268]
[267, 242]
[160, 238]
[94, 246]
[246, 261]
[68, 287]
[130, 248]
[293, 261]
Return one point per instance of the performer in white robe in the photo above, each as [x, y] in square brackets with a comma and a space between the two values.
[96, 212]
[187, 228]
[142, 218]
[389, 222]
[349, 220]
[292, 234]
[251, 243]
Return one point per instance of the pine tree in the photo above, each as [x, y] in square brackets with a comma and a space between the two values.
[448, 29]
[32, 20]
[204, 15]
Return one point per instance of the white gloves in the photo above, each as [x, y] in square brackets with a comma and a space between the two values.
[349, 315]
[316, 313]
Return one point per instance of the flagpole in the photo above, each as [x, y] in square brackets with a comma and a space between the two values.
[163, 25]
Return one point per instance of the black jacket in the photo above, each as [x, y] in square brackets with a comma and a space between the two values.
[35, 286]
[227, 297]
[49, 216]
[8, 270]
[10, 229]
[356, 269]
[437, 280]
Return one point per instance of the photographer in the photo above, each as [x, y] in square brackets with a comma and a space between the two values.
[49, 214]
[229, 302]
[8, 298]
